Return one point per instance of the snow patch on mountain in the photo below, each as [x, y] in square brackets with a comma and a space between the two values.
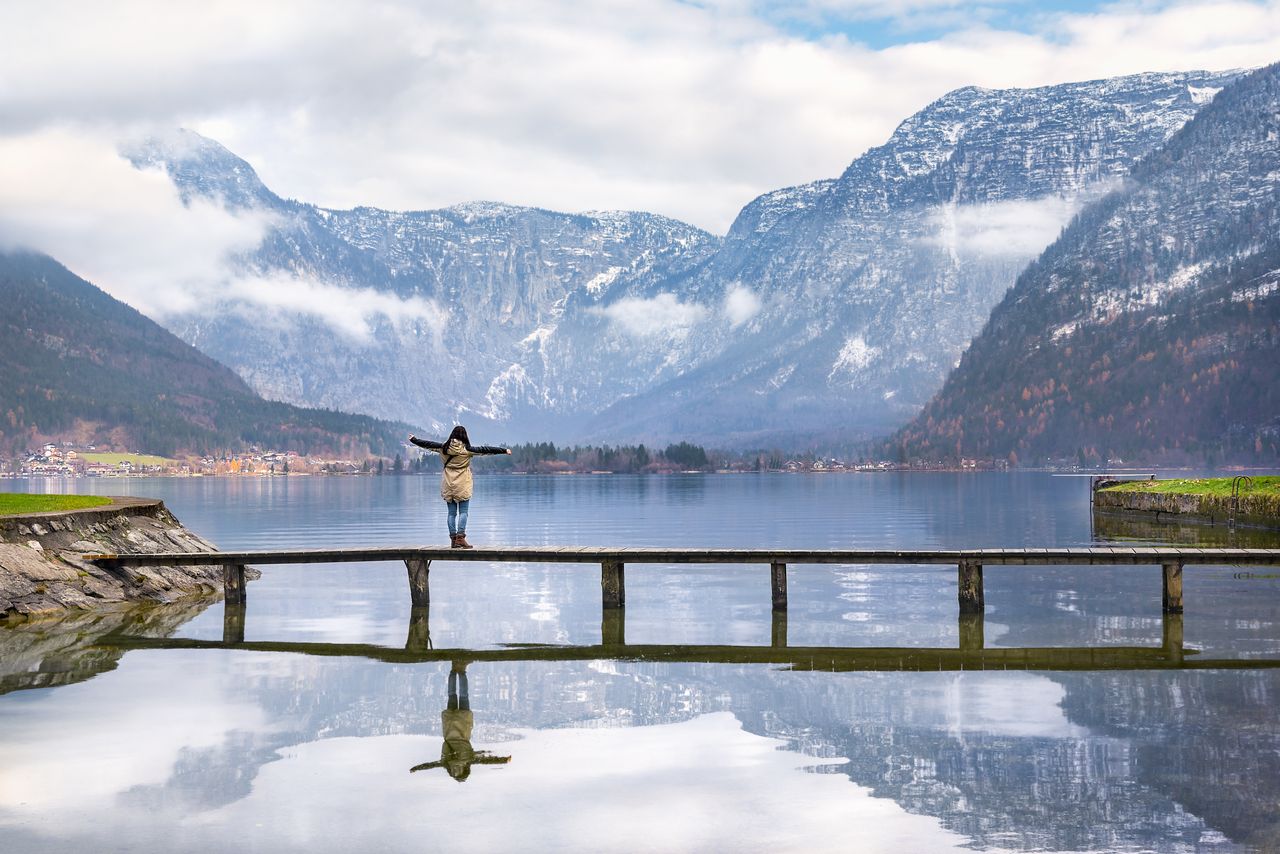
[854, 356]
[1203, 94]
[1267, 286]
[600, 281]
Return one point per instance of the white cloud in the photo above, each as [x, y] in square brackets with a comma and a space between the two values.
[79, 771]
[660, 315]
[126, 230]
[1020, 228]
[350, 311]
[684, 109]
[741, 304]
[704, 781]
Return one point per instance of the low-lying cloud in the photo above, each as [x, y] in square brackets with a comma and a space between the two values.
[353, 312]
[128, 231]
[1001, 229]
[660, 315]
[740, 305]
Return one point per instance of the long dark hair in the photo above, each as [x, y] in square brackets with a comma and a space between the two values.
[459, 433]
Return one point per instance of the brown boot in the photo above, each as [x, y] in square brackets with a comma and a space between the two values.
[462, 542]
[453, 541]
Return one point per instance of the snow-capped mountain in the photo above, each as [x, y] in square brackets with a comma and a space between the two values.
[1152, 327]
[870, 286]
[446, 299]
[834, 307]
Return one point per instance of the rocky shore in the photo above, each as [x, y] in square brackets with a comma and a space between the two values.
[42, 569]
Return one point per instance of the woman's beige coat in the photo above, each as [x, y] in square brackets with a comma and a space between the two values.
[455, 483]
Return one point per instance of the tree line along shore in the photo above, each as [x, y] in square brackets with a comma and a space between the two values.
[68, 460]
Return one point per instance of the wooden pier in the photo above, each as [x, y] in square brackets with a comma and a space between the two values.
[612, 562]
[971, 652]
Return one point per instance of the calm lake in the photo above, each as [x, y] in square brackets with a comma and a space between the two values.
[223, 749]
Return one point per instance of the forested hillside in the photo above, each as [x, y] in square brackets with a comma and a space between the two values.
[77, 364]
[1151, 329]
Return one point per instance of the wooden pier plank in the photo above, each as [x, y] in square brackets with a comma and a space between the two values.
[1096, 556]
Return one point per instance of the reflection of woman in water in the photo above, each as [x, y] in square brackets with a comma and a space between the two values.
[456, 754]
[456, 482]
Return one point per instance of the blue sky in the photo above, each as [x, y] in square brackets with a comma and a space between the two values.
[886, 25]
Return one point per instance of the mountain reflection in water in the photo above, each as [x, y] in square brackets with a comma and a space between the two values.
[619, 738]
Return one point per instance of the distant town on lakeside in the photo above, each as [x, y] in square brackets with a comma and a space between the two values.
[66, 459]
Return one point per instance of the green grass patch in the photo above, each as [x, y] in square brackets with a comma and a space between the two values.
[21, 502]
[1268, 485]
[136, 459]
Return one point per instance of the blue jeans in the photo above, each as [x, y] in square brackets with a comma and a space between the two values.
[458, 516]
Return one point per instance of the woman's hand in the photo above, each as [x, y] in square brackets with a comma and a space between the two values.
[507, 452]
[412, 437]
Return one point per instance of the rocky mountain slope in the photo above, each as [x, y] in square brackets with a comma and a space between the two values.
[78, 364]
[835, 307]
[1151, 329]
[453, 296]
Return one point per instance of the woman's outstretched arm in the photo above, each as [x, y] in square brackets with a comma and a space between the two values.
[426, 443]
[490, 449]
[484, 757]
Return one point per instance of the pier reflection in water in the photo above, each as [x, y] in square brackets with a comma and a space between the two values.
[971, 654]
[691, 719]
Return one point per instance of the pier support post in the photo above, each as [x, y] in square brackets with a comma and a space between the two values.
[972, 598]
[1172, 598]
[233, 591]
[1172, 640]
[972, 631]
[419, 639]
[779, 634]
[613, 627]
[232, 623]
[419, 592]
[778, 581]
[613, 589]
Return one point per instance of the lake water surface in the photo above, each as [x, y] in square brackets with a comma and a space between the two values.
[234, 749]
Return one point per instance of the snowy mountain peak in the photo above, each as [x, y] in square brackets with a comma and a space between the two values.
[200, 166]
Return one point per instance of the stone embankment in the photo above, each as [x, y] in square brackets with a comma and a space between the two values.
[42, 569]
[1257, 511]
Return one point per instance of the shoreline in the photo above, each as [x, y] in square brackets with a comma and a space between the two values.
[42, 570]
[1061, 472]
[1199, 501]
